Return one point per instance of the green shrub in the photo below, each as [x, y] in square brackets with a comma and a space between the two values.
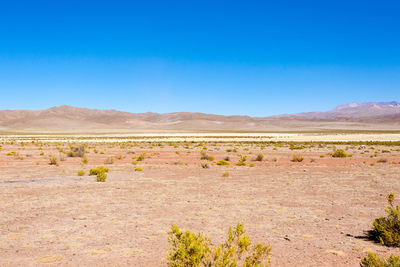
[140, 158]
[387, 229]
[223, 163]
[81, 173]
[190, 249]
[259, 157]
[101, 177]
[138, 169]
[373, 260]
[242, 161]
[98, 170]
[340, 153]
[85, 160]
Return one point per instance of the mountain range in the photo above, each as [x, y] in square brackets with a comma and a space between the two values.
[354, 116]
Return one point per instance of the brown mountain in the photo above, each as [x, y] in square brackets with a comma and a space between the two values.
[66, 118]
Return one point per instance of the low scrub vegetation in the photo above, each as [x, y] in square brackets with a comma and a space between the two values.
[260, 157]
[205, 165]
[191, 249]
[53, 161]
[340, 153]
[387, 229]
[223, 163]
[205, 156]
[373, 260]
[78, 151]
[297, 158]
[242, 161]
[81, 173]
[140, 158]
[294, 147]
[98, 170]
[101, 177]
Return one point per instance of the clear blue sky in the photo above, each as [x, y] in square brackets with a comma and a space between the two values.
[248, 57]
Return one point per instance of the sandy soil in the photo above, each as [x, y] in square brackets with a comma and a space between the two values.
[313, 213]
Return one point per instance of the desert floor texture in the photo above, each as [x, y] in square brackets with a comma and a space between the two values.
[313, 213]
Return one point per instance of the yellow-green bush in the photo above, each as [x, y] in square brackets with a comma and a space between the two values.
[260, 157]
[140, 158]
[81, 173]
[373, 260]
[98, 170]
[387, 229]
[242, 161]
[191, 249]
[101, 177]
[223, 163]
[340, 153]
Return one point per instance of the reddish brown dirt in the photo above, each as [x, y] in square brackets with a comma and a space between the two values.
[313, 213]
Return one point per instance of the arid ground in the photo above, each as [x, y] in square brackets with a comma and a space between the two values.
[314, 213]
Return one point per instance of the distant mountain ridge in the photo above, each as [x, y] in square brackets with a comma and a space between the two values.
[350, 116]
[367, 110]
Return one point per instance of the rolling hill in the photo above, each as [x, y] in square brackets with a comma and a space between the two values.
[355, 116]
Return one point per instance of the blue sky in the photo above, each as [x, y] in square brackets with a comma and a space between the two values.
[254, 58]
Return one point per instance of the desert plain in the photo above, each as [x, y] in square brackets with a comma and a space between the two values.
[313, 212]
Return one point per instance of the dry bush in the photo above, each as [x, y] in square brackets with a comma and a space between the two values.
[53, 160]
[78, 151]
[109, 160]
[382, 160]
[297, 158]
[205, 165]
